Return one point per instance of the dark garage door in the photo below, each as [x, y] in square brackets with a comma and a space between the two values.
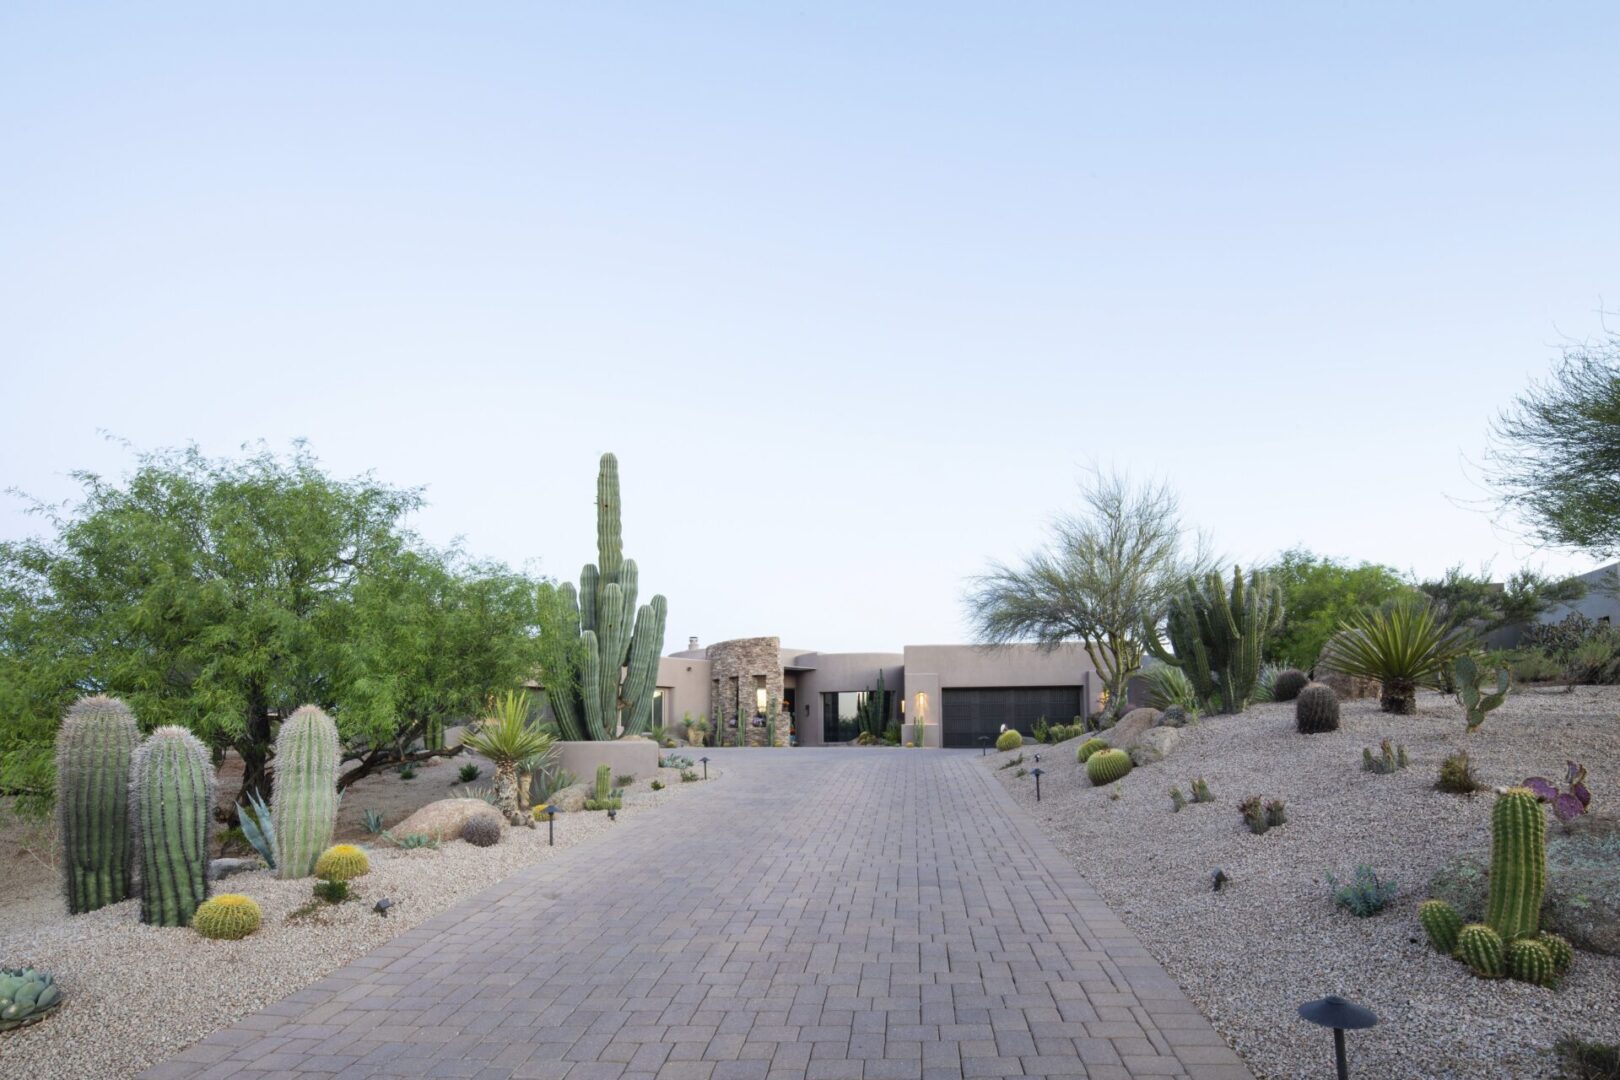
[981, 710]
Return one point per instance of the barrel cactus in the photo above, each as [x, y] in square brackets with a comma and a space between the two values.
[1316, 709]
[26, 995]
[1009, 740]
[342, 862]
[171, 800]
[1528, 960]
[1518, 874]
[94, 748]
[481, 830]
[1560, 950]
[1441, 923]
[1088, 748]
[1288, 683]
[1481, 948]
[1106, 766]
[227, 917]
[304, 803]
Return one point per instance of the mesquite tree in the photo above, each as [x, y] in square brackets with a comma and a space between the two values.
[610, 692]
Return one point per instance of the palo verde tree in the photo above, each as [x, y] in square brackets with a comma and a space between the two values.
[1107, 570]
[1555, 454]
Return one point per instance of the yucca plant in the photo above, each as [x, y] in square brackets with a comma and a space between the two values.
[513, 744]
[1404, 646]
[1167, 686]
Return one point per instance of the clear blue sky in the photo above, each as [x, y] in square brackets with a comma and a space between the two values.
[855, 291]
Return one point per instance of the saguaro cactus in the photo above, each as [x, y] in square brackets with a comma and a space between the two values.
[93, 752]
[1518, 864]
[1216, 636]
[171, 797]
[620, 642]
[304, 803]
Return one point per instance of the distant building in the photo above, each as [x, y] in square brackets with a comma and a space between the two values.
[1599, 604]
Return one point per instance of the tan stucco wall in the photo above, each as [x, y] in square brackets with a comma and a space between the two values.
[835, 673]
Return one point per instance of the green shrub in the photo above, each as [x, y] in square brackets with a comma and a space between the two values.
[1012, 762]
[1009, 740]
[658, 785]
[1584, 1060]
[468, 773]
[687, 776]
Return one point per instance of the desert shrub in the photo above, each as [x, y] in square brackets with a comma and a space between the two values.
[407, 771]
[1575, 650]
[1012, 762]
[1457, 775]
[1533, 665]
[1584, 1060]
[1041, 730]
[468, 773]
[1021, 771]
[1009, 740]
[687, 776]
[1363, 895]
[658, 785]
[227, 917]
[481, 830]
[866, 738]
[623, 780]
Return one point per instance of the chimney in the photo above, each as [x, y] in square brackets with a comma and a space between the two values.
[691, 644]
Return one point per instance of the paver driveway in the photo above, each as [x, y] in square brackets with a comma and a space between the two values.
[832, 913]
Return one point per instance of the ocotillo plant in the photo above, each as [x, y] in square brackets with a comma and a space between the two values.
[93, 751]
[1216, 635]
[171, 798]
[304, 803]
[620, 643]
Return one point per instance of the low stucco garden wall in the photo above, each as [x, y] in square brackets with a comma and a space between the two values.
[635, 757]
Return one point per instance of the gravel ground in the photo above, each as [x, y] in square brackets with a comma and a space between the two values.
[1272, 938]
[136, 994]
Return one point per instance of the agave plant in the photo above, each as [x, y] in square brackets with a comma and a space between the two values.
[259, 829]
[1167, 686]
[514, 745]
[1404, 646]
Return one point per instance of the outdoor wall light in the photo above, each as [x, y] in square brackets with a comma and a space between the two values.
[1036, 773]
[1335, 1012]
[705, 767]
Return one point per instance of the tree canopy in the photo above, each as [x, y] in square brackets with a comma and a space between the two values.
[222, 594]
[1318, 594]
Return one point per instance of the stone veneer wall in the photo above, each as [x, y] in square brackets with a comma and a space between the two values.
[744, 659]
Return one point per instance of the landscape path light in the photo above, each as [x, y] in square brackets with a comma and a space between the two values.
[1036, 773]
[984, 745]
[1335, 1012]
[551, 824]
[705, 767]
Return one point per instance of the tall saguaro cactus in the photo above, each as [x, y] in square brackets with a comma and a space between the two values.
[94, 747]
[1217, 635]
[171, 797]
[613, 692]
[304, 803]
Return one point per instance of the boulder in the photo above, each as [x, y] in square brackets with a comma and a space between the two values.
[220, 869]
[444, 820]
[570, 799]
[1130, 728]
[1582, 901]
[1154, 745]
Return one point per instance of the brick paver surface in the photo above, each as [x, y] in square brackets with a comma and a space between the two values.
[838, 914]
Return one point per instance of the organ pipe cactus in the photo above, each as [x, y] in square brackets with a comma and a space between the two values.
[93, 752]
[1518, 864]
[605, 798]
[304, 804]
[620, 643]
[1441, 923]
[1106, 766]
[1481, 948]
[171, 798]
[1216, 633]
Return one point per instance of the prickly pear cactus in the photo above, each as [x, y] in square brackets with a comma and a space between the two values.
[1518, 864]
[1106, 766]
[1481, 948]
[26, 995]
[304, 804]
[171, 799]
[94, 749]
[1441, 923]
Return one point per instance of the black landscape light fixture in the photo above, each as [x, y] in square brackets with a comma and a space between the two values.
[1335, 1012]
[551, 825]
[613, 815]
[1036, 773]
[1037, 759]
[381, 906]
[705, 767]
[984, 745]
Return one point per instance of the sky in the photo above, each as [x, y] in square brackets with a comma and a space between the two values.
[857, 293]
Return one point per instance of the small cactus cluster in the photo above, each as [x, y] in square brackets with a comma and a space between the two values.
[1316, 709]
[1262, 816]
[1200, 791]
[481, 830]
[1178, 801]
[1510, 941]
[1106, 766]
[1387, 760]
[1083, 752]
[227, 917]
[1288, 683]
[304, 803]
[26, 995]
[606, 799]
[1009, 740]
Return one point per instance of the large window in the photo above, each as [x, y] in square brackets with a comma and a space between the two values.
[840, 713]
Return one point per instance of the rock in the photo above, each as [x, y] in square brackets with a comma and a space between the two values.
[1130, 728]
[220, 869]
[444, 820]
[1175, 716]
[570, 799]
[1582, 901]
[634, 738]
[1154, 745]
